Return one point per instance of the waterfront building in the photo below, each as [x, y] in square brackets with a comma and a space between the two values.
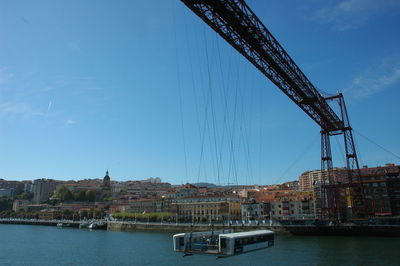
[187, 190]
[6, 192]
[381, 189]
[205, 208]
[19, 205]
[78, 206]
[286, 203]
[156, 180]
[143, 206]
[309, 179]
[36, 207]
[252, 211]
[290, 185]
[28, 186]
[119, 207]
[293, 209]
[43, 189]
[145, 189]
[47, 215]
[117, 188]
[10, 188]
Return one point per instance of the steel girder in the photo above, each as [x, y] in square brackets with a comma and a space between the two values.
[234, 21]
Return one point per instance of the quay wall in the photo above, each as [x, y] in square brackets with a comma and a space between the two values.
[39, 222]
[354, 230]
[342, 229]
[171, 227]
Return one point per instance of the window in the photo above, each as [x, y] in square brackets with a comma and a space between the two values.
[251, 240]
[223, 242]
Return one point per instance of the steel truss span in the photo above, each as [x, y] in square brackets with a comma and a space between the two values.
[241, 28]
[234, 21]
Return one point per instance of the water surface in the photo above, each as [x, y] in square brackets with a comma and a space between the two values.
[46, 245]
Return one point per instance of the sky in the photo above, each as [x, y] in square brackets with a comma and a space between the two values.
[145, 89]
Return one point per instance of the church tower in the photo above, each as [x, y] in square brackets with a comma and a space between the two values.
[106, 181]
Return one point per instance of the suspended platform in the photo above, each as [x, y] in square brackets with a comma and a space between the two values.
[222, 243]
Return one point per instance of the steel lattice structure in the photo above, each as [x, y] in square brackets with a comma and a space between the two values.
[234, 21]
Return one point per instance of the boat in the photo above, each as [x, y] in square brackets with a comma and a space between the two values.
[84, 225]
[61, 224]
[97, 225]
[222, 243]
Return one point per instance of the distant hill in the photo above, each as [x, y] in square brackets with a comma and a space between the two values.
[207, 185]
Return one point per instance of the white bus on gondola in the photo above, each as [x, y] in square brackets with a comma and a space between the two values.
[222, 243]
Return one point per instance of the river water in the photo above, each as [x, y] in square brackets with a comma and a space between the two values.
[46, 245]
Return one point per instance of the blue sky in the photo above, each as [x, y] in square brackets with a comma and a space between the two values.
[143, 88]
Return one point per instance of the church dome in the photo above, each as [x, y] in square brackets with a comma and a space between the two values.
[106, 180]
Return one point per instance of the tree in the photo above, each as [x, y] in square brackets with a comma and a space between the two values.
[68, 196]
[5, 204]
[64, 194]
[25, 196]
[90, 196]
[80, 195]
[84, 213]
[98, 213]
[67, 214]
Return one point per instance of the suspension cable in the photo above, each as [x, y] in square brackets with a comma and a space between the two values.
[180, 95]
[380, 146]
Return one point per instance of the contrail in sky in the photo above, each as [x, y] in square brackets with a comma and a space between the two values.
[48, 108]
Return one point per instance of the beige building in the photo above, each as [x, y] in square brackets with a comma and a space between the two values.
[293, 209]
[308, 179]
[202, 209]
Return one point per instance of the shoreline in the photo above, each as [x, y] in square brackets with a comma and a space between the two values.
[310, 230]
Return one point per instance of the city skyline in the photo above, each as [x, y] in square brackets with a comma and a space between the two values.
[85, 88]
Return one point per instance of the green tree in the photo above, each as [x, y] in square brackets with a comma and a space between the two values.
[84, 214]
[25, 196]
[98, 213]
[80, 195]
[5, 204]
[90, 196]
[68, 196]
[67, 214]
[64, 194]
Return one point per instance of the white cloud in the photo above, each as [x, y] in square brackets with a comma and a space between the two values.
[351, 14]
[375, 80]
[10, 108]
[22, 109]
[70, 122]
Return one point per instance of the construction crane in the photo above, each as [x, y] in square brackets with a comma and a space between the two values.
[234, 21]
